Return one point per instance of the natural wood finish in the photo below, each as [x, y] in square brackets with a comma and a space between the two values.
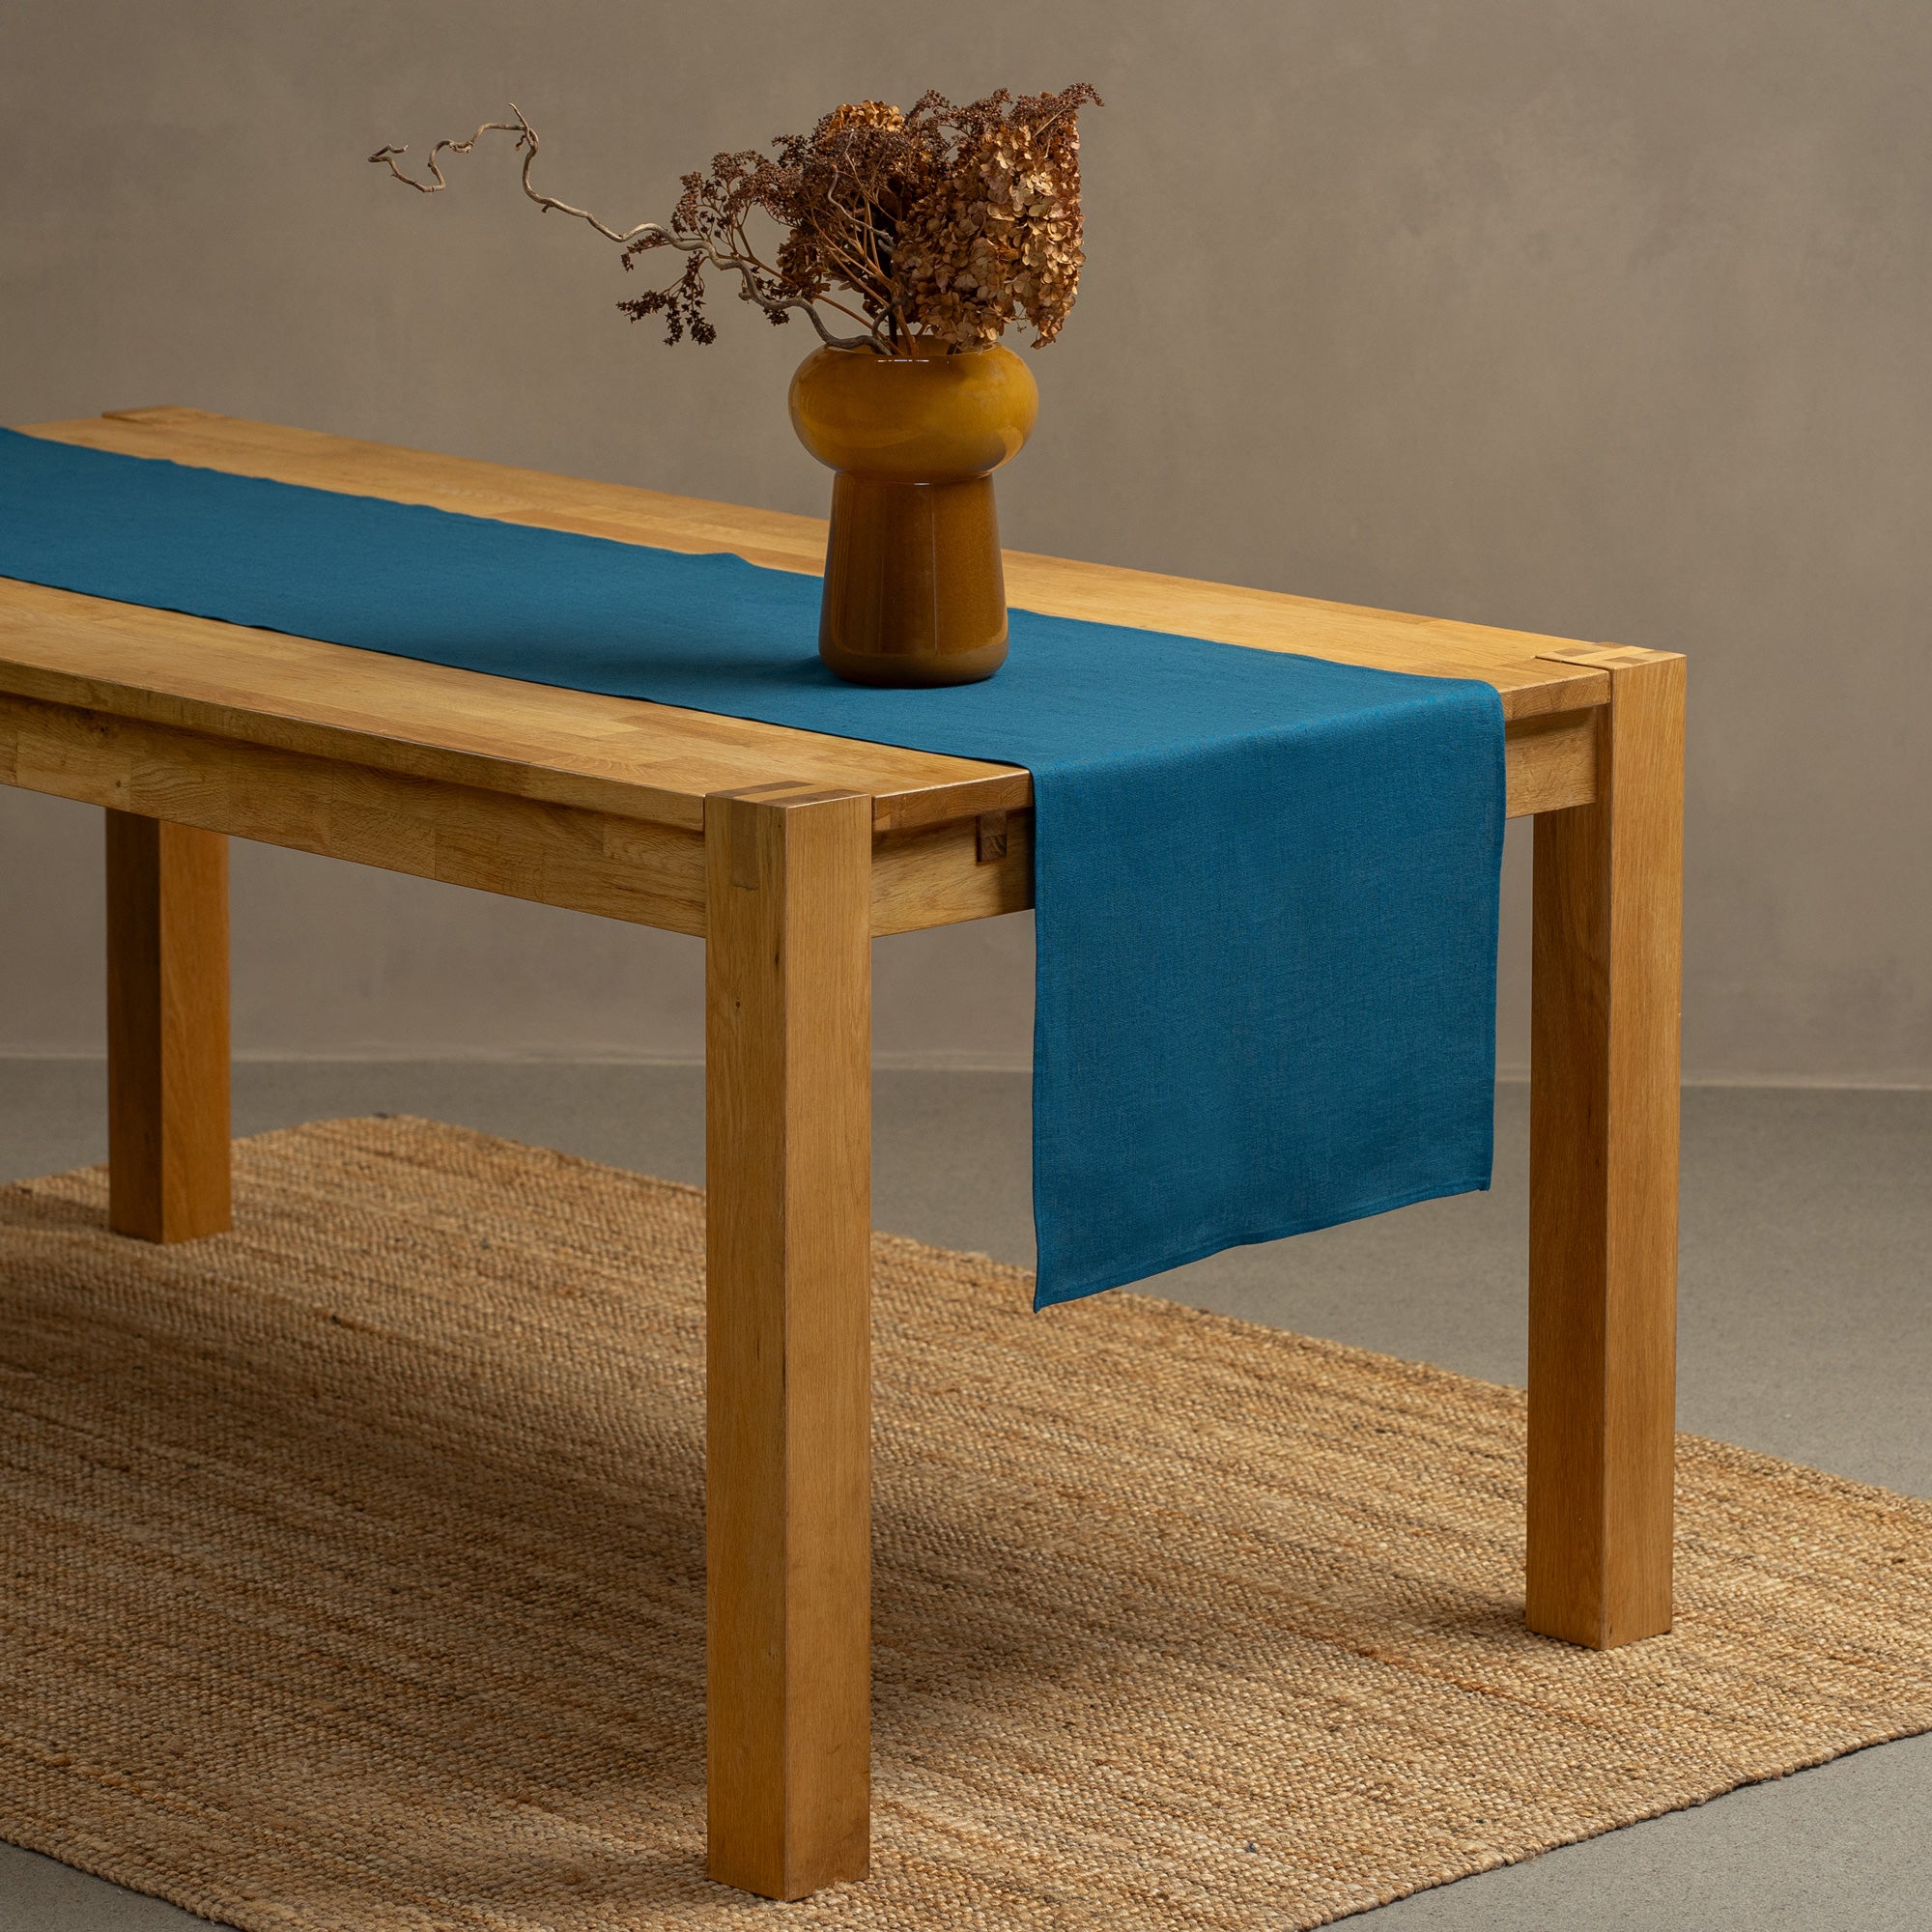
[635, 869]
[1515, 661]
[1604, 1106]
[167, 1030]
[613, 865]
[936, 877]
[369, 712]
[455, 726]
[1550, 762]
[787, 1164]
[1599, 657]
[1521, 664]
[627, 869]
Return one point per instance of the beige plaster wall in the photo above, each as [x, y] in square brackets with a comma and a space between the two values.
[1602, 317]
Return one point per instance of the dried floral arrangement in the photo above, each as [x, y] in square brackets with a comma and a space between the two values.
[939, 225]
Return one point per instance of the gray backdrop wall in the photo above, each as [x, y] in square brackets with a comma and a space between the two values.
[1607, 318]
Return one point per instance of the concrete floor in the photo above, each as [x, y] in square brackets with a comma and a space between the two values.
[1806, 1331]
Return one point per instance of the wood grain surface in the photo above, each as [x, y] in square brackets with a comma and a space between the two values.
[613, 864]
[1517, 662]
[787, 1055]
[621, 755]
[1603, 1215]
[167, 1030]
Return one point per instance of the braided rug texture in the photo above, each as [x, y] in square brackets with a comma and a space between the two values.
[354, 1581]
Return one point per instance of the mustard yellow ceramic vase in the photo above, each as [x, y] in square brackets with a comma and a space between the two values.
[914, 592]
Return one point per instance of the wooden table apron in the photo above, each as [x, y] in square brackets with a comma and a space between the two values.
[788, 851]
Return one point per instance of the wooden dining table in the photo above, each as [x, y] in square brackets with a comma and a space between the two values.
[788, 852]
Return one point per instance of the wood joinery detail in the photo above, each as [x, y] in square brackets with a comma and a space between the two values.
[167, 1030]
[787, 1509]
[1602, 1239]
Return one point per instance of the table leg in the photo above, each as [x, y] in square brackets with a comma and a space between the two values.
[167, 1029]
[1603, 1212]
[788, 1480]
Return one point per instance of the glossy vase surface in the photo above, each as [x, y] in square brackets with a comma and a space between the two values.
[914, 592]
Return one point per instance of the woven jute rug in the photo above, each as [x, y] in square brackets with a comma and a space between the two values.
[354, 1581]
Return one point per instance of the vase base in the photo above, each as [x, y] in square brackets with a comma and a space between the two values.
[908, 670]
[914, 591]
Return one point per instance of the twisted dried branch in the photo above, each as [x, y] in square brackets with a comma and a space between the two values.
[646, 235]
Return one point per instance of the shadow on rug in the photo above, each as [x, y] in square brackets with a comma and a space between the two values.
[357, 1582]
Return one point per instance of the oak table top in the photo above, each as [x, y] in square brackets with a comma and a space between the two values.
[642, 760]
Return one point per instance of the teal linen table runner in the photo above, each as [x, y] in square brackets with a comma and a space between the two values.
[1266, 884]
